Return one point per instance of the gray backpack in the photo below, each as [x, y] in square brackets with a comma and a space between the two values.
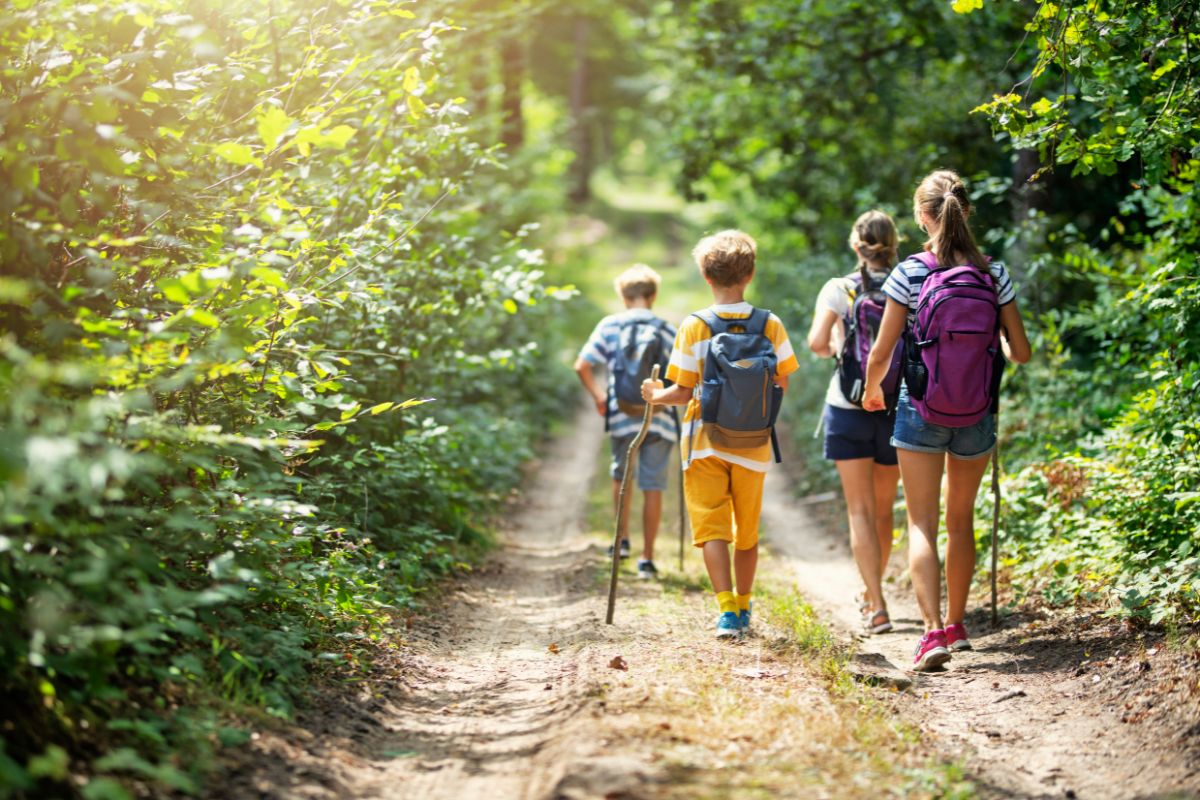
[640, 347]
[739, 400]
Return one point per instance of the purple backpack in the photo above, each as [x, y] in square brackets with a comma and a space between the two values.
[953, 359]
[862, 327]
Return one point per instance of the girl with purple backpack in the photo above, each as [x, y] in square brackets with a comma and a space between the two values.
[848, 315]
[956, 311]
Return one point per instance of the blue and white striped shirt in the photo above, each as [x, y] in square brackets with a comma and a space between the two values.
[904, 284]
[601, 348]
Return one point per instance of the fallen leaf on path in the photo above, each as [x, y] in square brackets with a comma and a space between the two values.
[553, 648]
[755, 672]
[618, 663]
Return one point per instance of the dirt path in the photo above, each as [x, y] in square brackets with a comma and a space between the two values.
[483, 701]
[1073, 707]
[509, 688]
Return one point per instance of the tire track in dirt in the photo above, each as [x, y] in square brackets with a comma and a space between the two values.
[1037, 709]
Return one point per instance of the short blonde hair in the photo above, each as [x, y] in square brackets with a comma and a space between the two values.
[726, 258]
[638, 282]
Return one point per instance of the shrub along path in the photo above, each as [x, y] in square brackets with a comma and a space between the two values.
[1045, 706]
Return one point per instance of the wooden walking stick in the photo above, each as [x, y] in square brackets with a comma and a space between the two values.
[683, 520]
[995, 515]
[630, 458]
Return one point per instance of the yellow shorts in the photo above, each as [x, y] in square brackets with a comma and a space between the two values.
[724, 501]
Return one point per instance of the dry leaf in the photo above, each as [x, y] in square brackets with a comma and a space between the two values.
[618, 663]
[553, 648]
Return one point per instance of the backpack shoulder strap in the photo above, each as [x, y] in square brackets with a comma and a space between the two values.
[757, 321]
[712, 320]
[926, 258]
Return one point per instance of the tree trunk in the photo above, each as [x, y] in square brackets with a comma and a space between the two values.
[512, 68]
[581, 168]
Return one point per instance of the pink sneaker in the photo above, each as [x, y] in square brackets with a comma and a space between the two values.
[931, 651]
[956, 637]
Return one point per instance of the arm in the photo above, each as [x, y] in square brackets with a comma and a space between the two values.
[820, 335]
[1013, 339]
[654, 393]
[583, 368]
[894, 317]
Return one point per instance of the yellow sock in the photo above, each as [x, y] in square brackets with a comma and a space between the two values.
[727, 602]
[743, 602]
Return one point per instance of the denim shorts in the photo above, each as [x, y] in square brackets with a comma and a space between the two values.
[653, 460]
[915, 434]
[853, 433]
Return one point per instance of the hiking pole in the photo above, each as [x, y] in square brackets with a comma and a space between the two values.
[630, 457]
[995, 515]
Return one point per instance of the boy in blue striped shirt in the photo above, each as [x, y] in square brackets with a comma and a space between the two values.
[638, 289]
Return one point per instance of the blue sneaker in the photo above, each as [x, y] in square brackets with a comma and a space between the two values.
[744, 617]
[729, 624]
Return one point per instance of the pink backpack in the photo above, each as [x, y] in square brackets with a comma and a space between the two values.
[953, 359]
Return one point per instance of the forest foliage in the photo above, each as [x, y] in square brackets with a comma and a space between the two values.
[276, 335]
[268, 363]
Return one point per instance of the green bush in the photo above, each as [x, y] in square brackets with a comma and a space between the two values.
[238, 259]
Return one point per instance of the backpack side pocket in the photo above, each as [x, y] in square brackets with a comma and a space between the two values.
[916, 376]
[710, 401]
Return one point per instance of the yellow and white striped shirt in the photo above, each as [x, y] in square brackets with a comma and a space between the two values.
[687, 367]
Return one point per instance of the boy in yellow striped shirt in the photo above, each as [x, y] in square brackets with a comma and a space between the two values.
[722, 484]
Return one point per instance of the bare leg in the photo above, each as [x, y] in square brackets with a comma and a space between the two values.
[745, 564]
[922, 475]
[886, 480]
[962, 484]
[716, 561]
[652, 505]
[858, 487]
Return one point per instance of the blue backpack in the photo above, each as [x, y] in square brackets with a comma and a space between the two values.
[640, 346]
[739, 401]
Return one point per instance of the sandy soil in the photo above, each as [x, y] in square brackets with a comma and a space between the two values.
[1074, 706]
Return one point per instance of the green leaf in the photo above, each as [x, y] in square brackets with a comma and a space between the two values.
[105, 789]
[412, 80]
[51, 764]
[966, 6]
[202, 317]
[379, 409]
[337, 137]
[270, 277]
[271, 126]
[510, 305]
[238, 154]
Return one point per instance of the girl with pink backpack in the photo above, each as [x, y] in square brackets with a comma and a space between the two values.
[956, 311]
[847, 319]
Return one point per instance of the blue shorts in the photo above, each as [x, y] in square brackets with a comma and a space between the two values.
[853, 433]
[653, 459]
[915, 434]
